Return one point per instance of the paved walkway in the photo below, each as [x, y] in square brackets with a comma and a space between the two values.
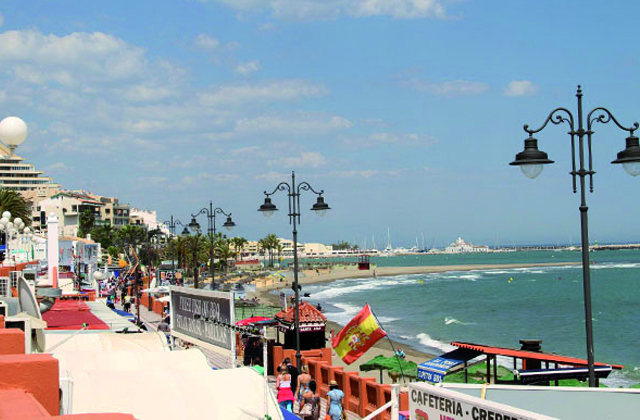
[152, 319]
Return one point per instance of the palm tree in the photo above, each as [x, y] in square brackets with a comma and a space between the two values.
[239, 243]
[273, 242]
[131, 235]
[198, 252]
[224, 254]
[13, 202]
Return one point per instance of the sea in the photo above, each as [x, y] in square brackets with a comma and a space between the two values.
[501, 306]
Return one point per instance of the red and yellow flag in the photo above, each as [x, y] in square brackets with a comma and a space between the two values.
[357, 336]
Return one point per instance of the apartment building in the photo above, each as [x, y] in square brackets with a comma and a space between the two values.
[67, 206]
[18, 175]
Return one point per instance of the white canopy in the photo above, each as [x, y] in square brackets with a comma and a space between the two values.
[129, 373]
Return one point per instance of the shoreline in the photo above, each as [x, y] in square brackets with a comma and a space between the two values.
[327, 276]
[383, 346]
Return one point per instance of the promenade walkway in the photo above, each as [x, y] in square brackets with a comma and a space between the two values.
[152, 319]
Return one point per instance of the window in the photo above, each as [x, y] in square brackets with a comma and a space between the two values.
[107, 211]
[74, 208]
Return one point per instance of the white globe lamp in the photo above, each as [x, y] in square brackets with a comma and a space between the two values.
[13, 131]
[6, 215]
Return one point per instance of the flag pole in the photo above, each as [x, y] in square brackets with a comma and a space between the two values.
[392, 346]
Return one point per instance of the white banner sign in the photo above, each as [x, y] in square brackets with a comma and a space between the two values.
[429, 402]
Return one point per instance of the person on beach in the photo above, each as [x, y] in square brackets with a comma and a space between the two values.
[400, 353]
[334, 401]
[294, 372]
[283, 385]
[303, 383]
[310, 408]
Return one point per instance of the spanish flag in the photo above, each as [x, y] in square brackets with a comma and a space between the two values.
[357, 336]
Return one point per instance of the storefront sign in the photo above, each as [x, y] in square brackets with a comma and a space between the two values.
[430, 402]
[202, 317]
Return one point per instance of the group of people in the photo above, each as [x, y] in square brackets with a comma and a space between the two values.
[293, 386]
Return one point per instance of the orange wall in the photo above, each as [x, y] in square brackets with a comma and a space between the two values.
[362, 395]
[34, 373]
[11, 341]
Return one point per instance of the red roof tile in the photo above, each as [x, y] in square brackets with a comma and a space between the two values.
[308, 313]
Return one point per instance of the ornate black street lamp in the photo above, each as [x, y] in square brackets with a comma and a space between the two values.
[195, 228]
[171, 224]
[531, 160]
[268, 208]
[211, 218]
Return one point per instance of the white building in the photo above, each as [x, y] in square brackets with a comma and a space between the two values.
[316, 250]
[68, 207]
[462, 247]
[17, 175]
[148, 218]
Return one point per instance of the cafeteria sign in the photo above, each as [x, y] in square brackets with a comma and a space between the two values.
[430, 402]
[202, 317]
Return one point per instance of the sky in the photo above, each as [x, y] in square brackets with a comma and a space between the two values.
[405, 112]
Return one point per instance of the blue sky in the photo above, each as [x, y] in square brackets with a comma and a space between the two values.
[406, 112]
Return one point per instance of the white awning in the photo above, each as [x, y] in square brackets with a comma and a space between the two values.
[132, 373]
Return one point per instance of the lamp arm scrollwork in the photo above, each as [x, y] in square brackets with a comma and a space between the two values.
[607, 117]
[307, 187]
[203, 210]
[218, 210]
[554, 117]
[283, 186]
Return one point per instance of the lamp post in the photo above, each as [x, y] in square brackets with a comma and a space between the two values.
[531, 160]
[195, 228]
[211, 229]
[268, 208]
[172, 228]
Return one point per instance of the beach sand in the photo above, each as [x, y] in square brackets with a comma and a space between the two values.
[382, 347]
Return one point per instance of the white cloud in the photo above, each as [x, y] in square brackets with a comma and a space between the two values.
[305, 160]
[70, 59]
[449, 88]
[366, 173]
[146, 93]
[249, 150]
[273, 176]
[520, 88]
[206, 42]
[152, 180]
[58, 166]
[385, 138]
[247, 68]
[206, 176]
[402, 9]
[297, 124]
[281, 90]
[268, 26]
[327, 9]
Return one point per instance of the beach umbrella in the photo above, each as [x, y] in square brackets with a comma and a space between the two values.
[392, 364]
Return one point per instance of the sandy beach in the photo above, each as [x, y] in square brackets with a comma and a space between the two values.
[383, 347]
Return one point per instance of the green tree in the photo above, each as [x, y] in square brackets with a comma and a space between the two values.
[130, 235]
[238, 244]
[197, 252]
[113, 251]
[105, 235]
[225, 253]
[13, 202]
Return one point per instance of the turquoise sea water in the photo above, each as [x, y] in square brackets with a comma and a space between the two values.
[428, 311]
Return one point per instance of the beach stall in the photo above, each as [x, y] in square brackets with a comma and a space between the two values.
[435, 369]
[529, 366]
[312, 327]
